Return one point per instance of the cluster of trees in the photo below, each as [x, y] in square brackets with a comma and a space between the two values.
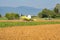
[46, 13]
[11, 16]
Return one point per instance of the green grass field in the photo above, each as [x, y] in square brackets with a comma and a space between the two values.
[10, 24]
[3, 18]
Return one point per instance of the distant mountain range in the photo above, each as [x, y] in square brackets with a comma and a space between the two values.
[20, 10]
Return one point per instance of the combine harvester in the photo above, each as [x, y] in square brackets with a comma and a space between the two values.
[27, 18]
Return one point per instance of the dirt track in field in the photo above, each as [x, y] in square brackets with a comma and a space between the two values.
[35, 21]
[40, 32]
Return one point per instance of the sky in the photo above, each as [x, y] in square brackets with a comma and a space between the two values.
[29, 3]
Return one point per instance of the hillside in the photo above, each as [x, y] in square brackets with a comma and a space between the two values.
[21, 10]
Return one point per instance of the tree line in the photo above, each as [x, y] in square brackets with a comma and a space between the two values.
[11, 16]
[46, 13]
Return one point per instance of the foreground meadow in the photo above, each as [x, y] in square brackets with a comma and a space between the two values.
[10, 23]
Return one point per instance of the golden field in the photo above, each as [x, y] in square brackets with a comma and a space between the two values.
[39, 32]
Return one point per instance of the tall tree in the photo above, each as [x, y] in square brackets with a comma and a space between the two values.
[57, 9]
[0, 15]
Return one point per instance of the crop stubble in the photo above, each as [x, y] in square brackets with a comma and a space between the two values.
[39, 32]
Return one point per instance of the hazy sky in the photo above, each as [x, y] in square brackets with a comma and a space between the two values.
[29, 3]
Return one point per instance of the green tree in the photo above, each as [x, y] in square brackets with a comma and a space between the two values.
[57, 8]
[17, 16]
[46, 13]
[0, 15]
[12, 16]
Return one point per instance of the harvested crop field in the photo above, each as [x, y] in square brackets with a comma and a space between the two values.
[23, 21]
[39, 32]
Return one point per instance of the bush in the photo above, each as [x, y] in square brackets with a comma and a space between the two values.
[12, 16]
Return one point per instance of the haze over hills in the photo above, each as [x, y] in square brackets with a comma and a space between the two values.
[20, 10]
